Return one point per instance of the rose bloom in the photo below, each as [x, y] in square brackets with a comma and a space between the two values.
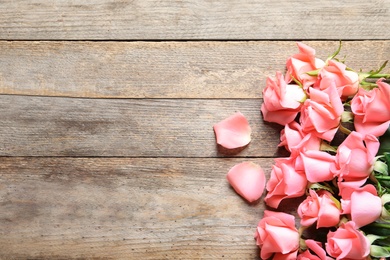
[319, 208]
[293, 138]
[355, 157]
[285, 182]
[307, 255]
[362, 204]
[347, 243]
[277, 236]
[282, 102]
[321, 114]
[371, 110]
[315, 247]
[316, 165]
[299, 64]
[346, 81]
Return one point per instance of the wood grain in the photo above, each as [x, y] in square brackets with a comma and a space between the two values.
[107, 149]
[113, 208]
[193, 19]
[47, 126]
[160, 69]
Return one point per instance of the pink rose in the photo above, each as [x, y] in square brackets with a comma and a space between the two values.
[299, 64]
[371, 110]
[362, 204]
[321, 113]
[347, 243]
[288, 256]
[316, 165]
[285, 182]
[292, 138]
[346, 81]
[316, 248]
[277, 236]
[282, 102]
[319, 208]
[355, 157]
[355, 184]
[307, 255]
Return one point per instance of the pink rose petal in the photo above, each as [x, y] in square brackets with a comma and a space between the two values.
[233, 132]
[248, 180]
[365, 208]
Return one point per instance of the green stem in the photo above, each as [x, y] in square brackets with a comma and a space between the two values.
[344, 130]
[334, 54]
[381, 177]
[327, 147]
[378, 76]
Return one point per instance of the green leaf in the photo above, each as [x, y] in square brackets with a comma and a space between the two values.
[378, 251]
[317, 186]
[372, 238]
[313, 72]
[346, 116]
[387, 158]
[327, 147]
[381, 167]
[375, 228]
[385, 199]
[385, 144]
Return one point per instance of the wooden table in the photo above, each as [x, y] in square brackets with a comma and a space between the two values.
[106, 113]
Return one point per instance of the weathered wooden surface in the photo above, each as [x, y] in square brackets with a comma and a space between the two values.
[159, 69]
[124, 208]
[44, 126]
[194, 19]
[106, 111]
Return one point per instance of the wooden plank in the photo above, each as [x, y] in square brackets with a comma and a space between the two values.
[160, 69]
[47, 126]
[193, 19]
[152, 208]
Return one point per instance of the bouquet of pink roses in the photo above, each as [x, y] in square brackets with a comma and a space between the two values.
[336, 128]
[332, 118]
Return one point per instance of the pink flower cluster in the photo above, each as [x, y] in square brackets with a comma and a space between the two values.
[316, 101]
[312, 102]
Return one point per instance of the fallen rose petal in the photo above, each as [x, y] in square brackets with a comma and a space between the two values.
[248, 180]
[233, 132]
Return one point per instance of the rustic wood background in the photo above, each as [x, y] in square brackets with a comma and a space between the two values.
[106, 111]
